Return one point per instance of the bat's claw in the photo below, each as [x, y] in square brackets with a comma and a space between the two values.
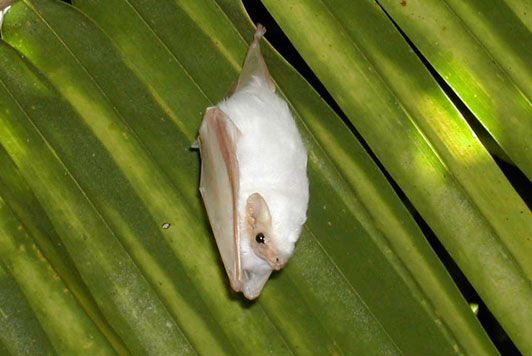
[261, 30]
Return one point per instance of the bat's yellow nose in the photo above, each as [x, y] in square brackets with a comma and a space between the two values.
[277, 263]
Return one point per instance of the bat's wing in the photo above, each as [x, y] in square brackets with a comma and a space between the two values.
[219, 187]
[254, 65]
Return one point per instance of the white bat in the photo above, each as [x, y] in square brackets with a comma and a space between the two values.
[253, 176]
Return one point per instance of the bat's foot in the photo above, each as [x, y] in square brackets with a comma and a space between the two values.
[236, 285]
[261, 30]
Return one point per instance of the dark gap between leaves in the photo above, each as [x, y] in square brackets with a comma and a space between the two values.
[259, 14]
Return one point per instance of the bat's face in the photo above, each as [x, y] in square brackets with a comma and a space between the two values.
[260, 232]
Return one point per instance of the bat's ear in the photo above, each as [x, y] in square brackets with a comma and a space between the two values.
[258, 212]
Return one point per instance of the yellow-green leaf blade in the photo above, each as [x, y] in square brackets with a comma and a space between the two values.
[20, 199]
[108, 271]
[482, 49]
[20, 331]
[423, 142]
[48, 296]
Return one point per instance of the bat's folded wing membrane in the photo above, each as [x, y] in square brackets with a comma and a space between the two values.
[219, 187]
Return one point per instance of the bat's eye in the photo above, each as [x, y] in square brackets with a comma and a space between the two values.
[260, 238]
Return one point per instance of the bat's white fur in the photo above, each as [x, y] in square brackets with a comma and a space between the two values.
[273, 162]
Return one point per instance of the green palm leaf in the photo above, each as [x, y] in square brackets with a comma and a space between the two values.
[466, 40]
[100, 103]
[426, 146]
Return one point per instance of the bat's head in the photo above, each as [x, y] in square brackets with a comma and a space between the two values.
[262, 238]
